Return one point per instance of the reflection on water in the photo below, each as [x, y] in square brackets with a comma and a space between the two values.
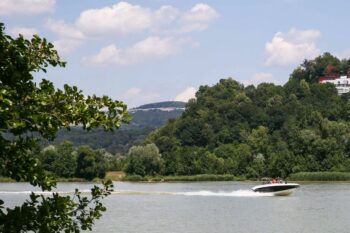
[205, 207]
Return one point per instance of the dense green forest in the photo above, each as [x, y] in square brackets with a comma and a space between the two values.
[66, 161]
[268, 130]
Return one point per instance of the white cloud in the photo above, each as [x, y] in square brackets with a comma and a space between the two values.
[161, 28]
[292, 47]
[27, 32]
[186, 95]
[65, 46]
[133, 96]
[121, 18]
[165, 15]
[107, 55]
[200, 13]
[25, 7]
[148, 49]
[64, 30]
[124, 18]
[198, 18]
[70, 37]
[260, 77]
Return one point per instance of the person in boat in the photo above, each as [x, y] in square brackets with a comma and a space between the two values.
[277, 180]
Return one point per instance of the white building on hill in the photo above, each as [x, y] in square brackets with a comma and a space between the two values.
[342, 83]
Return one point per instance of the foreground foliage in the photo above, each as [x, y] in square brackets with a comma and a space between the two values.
[29, 111]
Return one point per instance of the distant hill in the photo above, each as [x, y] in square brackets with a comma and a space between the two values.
[145, 118]
[156, 114]
[162, 105]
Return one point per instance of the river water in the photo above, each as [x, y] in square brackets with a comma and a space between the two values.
[208, 207]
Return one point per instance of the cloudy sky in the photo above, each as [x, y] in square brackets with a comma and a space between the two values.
[157, 50]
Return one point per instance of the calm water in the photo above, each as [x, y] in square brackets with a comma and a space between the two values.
[207, 207]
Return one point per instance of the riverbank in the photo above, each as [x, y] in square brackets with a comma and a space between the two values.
[135, 178]
[6, 180]
[320, 176]
[301, 176]
[121, 176]
[204, 177]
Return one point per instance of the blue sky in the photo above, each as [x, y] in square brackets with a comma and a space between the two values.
[156, 50]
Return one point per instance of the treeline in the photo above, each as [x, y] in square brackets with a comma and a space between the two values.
[268, 130]
[66, 161]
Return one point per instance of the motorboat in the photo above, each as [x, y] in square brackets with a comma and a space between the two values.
[277, 188]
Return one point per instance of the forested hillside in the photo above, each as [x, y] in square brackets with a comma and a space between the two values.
[144, 119]
[268, 130]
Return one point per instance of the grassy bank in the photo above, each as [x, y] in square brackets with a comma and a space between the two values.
[120, 176]
[204, 177]
[6, 179]
[320, 176]
[115, 175]
[73, 179]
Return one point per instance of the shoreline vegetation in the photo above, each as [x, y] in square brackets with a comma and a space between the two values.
[320, 176]
[193, 178]
[120, 176]
[300, 176]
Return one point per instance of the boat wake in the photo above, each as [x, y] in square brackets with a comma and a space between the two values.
[204, 193]
[238, 193]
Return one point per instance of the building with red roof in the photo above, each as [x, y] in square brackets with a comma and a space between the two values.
[341, 82]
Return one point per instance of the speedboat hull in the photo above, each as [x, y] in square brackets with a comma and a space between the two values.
[276, 189]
